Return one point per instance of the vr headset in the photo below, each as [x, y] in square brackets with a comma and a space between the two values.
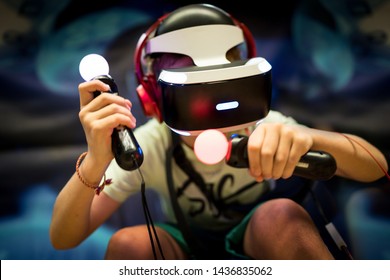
[214, 93]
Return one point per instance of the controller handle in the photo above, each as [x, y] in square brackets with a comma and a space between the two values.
[127, 152]
[315, 165]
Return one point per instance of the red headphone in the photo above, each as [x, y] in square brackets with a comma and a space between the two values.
[148, 90]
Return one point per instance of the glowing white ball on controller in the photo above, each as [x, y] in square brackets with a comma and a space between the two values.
[93, 65]
[211, 146]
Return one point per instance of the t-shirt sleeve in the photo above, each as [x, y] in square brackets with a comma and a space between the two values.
[275, 116]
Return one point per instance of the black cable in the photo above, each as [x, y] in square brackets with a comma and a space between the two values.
[317, 203]
[329, 225]
[148, 223]
[347, 252]
[149, 220]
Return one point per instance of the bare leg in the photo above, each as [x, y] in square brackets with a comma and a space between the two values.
[133, 243]
[282, 229]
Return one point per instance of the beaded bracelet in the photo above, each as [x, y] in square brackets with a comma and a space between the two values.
[98, 188]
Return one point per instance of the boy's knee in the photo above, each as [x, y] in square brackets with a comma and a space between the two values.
[281, 210]
[128, 243]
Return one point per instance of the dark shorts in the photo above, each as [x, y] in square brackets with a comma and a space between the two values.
[220, 244]
[229, 244]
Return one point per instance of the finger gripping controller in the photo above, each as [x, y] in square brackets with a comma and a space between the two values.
[127, 152]
[315, 165]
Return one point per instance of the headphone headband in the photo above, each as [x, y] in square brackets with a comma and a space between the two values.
[139, 51]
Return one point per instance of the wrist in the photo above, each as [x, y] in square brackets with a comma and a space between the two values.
[90, 175]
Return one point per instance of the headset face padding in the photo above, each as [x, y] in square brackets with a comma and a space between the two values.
[182, 19]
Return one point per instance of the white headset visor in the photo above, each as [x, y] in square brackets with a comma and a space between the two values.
[193, 41]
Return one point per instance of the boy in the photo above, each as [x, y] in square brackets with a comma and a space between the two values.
[221, 208]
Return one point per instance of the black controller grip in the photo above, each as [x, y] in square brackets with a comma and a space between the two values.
[127, 152]
[315, 165]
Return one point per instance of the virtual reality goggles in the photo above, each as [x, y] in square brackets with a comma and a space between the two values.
[213, 94]
[227, 97]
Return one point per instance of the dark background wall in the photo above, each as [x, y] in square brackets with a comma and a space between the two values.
[331, 69]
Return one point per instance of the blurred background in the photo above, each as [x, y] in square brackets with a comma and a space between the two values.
[331, 70]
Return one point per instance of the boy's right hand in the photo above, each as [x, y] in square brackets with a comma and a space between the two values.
[100, 115]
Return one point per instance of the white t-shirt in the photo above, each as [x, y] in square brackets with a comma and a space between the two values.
[232, 188]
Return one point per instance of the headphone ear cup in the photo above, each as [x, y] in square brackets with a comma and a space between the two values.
[147, 95]
[147, 90]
